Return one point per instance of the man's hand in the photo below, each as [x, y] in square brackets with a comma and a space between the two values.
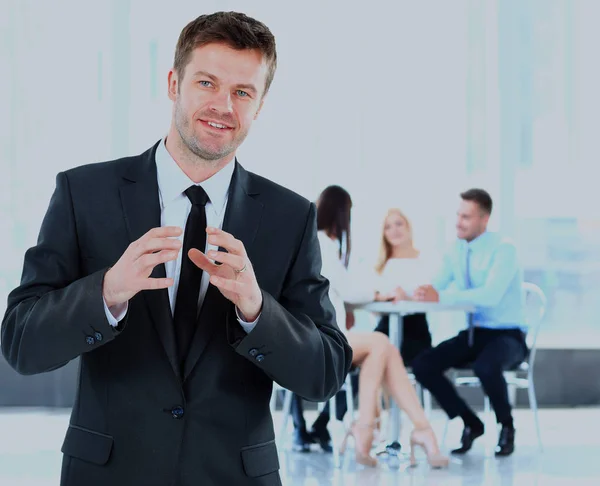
[400, 294]
[387, 297]
[235, 277]
[426, 293]
[131, 273]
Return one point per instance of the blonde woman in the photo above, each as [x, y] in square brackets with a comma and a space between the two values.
[402, 268]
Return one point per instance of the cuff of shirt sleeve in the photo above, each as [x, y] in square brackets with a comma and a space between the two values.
[116, 313]
[447, 297]
[247, 326]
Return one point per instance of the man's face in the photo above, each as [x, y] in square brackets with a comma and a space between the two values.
[471, 220]
[218, 98]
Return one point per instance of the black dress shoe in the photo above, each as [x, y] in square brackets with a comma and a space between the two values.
[302, 441]
[506, 442]
[468, 437]
[320, 435]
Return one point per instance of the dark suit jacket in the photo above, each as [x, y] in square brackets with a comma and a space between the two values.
[137, 420]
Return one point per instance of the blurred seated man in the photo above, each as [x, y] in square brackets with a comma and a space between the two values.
[485, 272]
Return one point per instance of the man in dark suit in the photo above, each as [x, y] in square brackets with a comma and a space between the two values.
[185, 284]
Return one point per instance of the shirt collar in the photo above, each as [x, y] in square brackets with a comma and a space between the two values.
[478, 243]
[172, 181]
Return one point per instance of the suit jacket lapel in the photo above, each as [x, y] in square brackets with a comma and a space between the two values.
[141, 207]
[242, 219]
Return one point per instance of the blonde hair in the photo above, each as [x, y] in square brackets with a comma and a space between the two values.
[385, 249]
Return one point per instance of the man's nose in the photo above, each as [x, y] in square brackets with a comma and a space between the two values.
[221, 102]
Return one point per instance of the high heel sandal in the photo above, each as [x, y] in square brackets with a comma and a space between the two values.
[425, 438]
[362, 456]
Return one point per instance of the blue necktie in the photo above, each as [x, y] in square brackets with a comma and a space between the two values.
[470, 316]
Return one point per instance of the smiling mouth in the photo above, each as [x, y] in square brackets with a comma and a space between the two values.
[216, 125]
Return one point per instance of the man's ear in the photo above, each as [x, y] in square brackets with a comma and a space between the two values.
[173, 87]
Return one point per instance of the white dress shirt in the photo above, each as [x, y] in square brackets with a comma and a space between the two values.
[175, 208]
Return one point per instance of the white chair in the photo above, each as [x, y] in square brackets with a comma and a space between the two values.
[346, 422]
[287, 407]
[514, 378]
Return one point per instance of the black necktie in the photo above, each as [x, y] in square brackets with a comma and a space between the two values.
[186, 304]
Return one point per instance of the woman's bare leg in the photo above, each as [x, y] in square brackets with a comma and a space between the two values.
[397, 382]
[402, 390]
[369, 350]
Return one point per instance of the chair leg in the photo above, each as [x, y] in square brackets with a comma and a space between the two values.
[445, 434]
[349, 399]
[427, 403]
[337, 460]
[534, 407]
[286, 409]
[512, 395]
[489, 420]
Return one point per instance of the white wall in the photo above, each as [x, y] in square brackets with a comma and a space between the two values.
[371, 97]
[404, 103]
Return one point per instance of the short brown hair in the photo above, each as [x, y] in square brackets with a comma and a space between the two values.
[480, 197]
[237, 30]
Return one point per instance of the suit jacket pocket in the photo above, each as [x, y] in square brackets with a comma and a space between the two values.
[260, 459]
[87, 445]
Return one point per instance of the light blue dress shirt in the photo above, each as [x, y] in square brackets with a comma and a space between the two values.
[496, 279]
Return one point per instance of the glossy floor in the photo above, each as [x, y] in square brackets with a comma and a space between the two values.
[30, 443]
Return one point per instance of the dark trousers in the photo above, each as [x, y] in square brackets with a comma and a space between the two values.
[416, 337]
[493, 352]
[323, 418]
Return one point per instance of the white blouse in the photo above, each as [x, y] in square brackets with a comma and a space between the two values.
[343, 285]
[408, 273]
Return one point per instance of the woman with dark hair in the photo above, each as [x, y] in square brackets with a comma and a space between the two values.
[379, 361]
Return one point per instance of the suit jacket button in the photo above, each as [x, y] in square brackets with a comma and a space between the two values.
[253, 352]
[90, 340]
[98, 336]
[260, 357]
[177, 412]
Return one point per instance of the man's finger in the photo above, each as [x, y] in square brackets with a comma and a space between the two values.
[234, 261]
[164, 232]
[150, 260]
[225, 240]
[156, 245]
[227, 284]
[201, 261]
[156, 283]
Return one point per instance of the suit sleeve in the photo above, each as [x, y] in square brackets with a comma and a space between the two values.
[296, 340]
[55, 314]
